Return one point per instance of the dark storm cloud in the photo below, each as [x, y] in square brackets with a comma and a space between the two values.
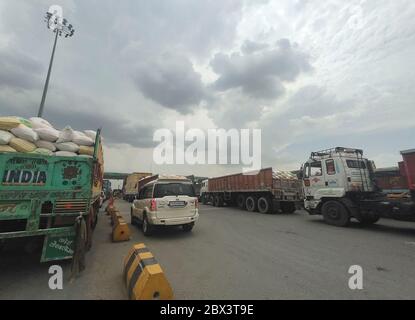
[116, 128]
[18, 71]
[260, 72]
[192, 26]
[171, 81]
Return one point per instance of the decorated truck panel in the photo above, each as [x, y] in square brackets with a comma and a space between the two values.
[43, 195]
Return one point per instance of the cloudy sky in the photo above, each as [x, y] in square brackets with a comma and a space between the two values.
[311, 74]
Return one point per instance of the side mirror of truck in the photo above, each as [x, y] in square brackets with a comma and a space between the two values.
[300, 174]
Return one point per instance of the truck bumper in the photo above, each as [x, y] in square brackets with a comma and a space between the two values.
[41, 232]
[174, 221]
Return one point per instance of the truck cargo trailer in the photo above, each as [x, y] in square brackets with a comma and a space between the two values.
[53, 198]
[266, 191]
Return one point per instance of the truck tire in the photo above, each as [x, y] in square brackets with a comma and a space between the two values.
[215, 201]
[147, 227]
[220, 201]
[264, 205]
[367, 220]
[288, 207]
[251, 204]
[204, 200]
[95, 211]
[335, 214]
[240, 201]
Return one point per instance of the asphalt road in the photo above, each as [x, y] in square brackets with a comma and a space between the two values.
[233, 254]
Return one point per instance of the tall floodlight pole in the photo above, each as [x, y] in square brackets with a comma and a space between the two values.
[60, 27]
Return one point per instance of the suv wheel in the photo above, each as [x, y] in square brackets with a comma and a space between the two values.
[147, 227]
[133, 219]
[335, 214]
[188, 227]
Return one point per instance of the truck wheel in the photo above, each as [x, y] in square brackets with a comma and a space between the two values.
[369, 219]
[264, 205]
[147, 227]
[220, 201]
[89, 233]
[188, 227]
[240, 201]
[335, 214]
[250, 204]
[94, 213]
[288, 207]
[215, 201]
[204, 200]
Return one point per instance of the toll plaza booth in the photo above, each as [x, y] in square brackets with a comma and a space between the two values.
[113, 181]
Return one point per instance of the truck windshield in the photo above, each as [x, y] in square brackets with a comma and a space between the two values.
[173, 189]
[356, 164]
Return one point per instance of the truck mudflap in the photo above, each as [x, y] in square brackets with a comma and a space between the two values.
[58, 243]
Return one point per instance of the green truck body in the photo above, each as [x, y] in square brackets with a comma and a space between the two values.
[44, 195]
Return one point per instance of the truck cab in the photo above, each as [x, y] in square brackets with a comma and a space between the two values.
[338, 183]
[203, 191]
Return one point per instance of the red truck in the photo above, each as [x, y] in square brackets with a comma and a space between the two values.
[267, 191]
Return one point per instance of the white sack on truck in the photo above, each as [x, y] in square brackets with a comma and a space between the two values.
[8, 123]
[25, 133]
[81, 139]
[83, 150]
[43, 151]
[91, 134]
[38, 123]
[68, 146]
[7, 149]
[65, 154]
[65, 135]
[45, 145]
[48, 134]
[5, 137]
[21, 145]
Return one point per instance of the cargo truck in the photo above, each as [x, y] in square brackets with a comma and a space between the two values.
[340, 184]
[130, 188]
[266, 191]
[52, 199]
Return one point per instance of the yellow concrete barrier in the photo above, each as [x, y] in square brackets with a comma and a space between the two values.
[120, 230]
[144, 278]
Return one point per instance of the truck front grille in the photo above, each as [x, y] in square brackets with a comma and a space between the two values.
[71, 206]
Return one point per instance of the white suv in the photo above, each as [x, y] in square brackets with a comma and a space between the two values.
[166, 201]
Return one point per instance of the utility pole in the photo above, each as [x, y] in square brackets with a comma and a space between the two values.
[59, 25]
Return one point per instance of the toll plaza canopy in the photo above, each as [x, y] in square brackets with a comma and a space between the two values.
[115, 176]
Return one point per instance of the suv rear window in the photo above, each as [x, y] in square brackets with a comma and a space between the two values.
[356, 164]
[173, 189]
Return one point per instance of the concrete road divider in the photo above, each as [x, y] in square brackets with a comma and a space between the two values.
[144, 278]
[120, 231]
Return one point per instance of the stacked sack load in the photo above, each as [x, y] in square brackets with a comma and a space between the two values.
[38, 136]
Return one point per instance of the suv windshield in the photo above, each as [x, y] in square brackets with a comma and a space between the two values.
[173, 189]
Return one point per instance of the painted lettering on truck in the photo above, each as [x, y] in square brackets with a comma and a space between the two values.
[24, 177]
